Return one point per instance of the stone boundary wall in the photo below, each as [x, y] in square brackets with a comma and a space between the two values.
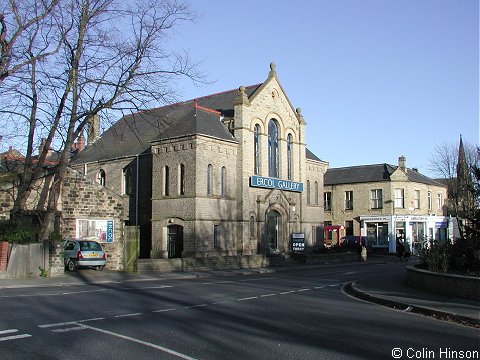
[202, 264]
[467, 287]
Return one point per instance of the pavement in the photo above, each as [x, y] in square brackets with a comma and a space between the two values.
[391, 290]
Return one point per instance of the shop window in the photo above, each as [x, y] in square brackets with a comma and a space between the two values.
[210, 179]
[166, 181]
[327, 201]
[223, 180]
[289, 155]
[416, 199]
[376, 201]
[256, 149]
[181, 179]
[348, 200]
[127, 181]
[399, 199]
[273, 153]
[101, 177]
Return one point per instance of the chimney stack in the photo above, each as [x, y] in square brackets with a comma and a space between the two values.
[402, 163]
[93, 131]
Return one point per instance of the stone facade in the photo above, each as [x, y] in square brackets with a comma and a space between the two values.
[191, 192]
[83, 199]
[419, 199]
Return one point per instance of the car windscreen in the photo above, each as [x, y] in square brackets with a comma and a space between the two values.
[90, 246]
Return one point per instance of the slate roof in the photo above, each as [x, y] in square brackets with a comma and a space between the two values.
[311, 156]
[371, 173]
[132, 134]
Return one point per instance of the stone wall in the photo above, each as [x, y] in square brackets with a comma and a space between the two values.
[85, 199]
[447, 284]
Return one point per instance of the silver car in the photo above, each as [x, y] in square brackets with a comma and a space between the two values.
[79, 252]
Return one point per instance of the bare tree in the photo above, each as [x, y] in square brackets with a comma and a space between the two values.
[21, 40]
[113, 57]
[454, 164]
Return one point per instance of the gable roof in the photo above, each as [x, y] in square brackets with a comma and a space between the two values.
[133, 134]
[371, 173]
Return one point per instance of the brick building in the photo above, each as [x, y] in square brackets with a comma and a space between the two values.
[385, 203]
[225, 174]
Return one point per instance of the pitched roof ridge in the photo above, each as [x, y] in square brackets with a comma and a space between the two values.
[359, 166]
[204, 108]
[223, 92]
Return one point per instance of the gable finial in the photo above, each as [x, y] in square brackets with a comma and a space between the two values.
[272, 72]
[242, 98]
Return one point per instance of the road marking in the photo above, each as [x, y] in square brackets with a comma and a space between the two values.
[12, 337]
[287, 292]
[267, 295]
[248, 298]
[127, 315]
[194, 306]
[163, 310]
[82, 292]
[235, 281]
[303, 290]
[158, 347]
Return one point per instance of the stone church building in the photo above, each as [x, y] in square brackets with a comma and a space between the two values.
[222, 175]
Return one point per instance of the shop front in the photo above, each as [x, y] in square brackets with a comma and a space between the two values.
[414, 232]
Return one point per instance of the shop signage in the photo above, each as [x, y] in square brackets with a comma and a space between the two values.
[375, 218]
[298, 242]
[98, 230]
[272, 183]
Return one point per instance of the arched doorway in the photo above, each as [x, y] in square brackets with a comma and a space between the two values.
[274, 234]
[175, 241]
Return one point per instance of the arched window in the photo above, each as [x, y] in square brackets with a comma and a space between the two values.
[256, 149]
[252, 226]
[101, 177]
[181, 179]
[315, 200]
[166, 181]
[127, 181]
[308, 191]
[210, 179]
[224, 181]
[289, 155]
[273, 155]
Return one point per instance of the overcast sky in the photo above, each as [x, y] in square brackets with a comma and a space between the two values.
[375, 79]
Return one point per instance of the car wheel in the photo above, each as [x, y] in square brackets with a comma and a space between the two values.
[99, 268]
[71, 265]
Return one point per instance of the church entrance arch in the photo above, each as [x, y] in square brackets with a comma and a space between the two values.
[174, 241]
[274, 231]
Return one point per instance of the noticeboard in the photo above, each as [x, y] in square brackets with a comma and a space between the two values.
[99, 230]
[298, 242]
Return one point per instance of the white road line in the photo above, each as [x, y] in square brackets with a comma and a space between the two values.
[287, 292]
[9, 331]
[300, 290]
[44, 326]
[161, 348]
[163, 310]
[127, 315]
[82, 292]
[14, 337]
[267, 295]
[194, 306]
[248, 298]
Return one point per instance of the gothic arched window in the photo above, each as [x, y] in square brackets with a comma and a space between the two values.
[273, 154]
[256, 149]
[289, 155]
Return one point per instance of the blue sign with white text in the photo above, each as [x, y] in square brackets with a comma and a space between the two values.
[272, 183]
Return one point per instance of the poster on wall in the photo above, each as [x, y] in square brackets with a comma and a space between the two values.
[98, 230]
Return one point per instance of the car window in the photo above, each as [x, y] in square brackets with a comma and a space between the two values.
[90, 246]
[69, 246]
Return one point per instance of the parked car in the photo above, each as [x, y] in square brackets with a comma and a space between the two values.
[79, 252]
[352, 241]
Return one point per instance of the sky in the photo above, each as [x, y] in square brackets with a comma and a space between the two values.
[375, 79]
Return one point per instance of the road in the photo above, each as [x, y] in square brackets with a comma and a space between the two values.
[288, 314]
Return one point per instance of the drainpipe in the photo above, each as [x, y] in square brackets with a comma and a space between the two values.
[136, 192]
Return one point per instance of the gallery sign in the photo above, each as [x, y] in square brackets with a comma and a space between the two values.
[273, 183]
[98, 230]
